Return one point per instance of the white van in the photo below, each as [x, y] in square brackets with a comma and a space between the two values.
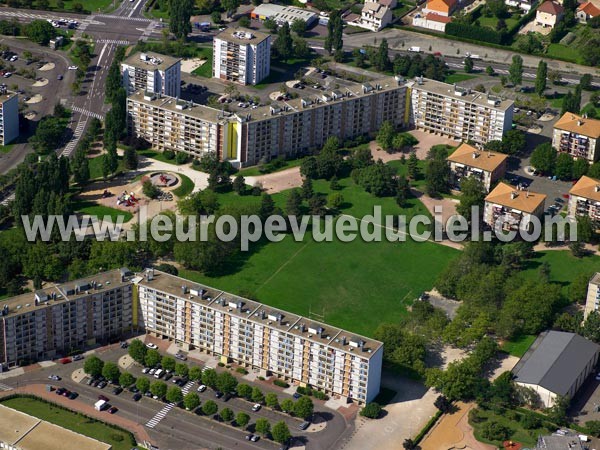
[159, 373]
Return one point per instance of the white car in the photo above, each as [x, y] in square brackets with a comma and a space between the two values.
[152, 372]
[14, 58]
[149, 344]
[146, 370]
[201, 388]
[75, 68]
[54, 377]
[256, 407]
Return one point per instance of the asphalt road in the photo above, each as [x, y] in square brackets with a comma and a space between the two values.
[179, 429]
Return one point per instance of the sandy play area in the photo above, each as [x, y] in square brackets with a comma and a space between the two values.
[278, 181]
[453, 432]
[46, 67]
[41, 82]
[35, 99]
[426, 141]
[189, 65]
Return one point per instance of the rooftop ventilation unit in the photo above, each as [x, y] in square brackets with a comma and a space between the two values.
[246, 35]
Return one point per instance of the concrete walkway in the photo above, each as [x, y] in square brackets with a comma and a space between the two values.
[200, 179]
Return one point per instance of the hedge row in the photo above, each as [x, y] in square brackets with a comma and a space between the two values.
[428, 426]
[484, 34]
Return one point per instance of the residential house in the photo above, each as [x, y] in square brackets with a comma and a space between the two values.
[467, 161]
[556, 365]
[510, 209]
[375, 16]
[549, 14]
[586, 11]
[584, 199]
[441, 7]
[432, 21]
[578, 136]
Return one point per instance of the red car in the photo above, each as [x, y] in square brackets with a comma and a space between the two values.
[65, 360]
[437, 54]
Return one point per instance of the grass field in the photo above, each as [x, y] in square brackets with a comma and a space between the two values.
[254, 170]
[568, 53]
[95, 209]
[458, 77]
[526, 437]
[491, 22]
[159, 156]
[518, 346]
[88, 5]
[95, 166]
[356, 285]
[186, 187]
[205, 70]
[119, 440]
[6, 148]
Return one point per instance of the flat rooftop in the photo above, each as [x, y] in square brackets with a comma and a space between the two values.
[30, 433]
[151, 60]
[260, 313]
[338, 91]
[461, 94]
[53, 294]
[242, 36]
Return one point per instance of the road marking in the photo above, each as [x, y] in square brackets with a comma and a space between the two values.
[160, 415]
[5, 387]
[87, 113]
[134, 8]
[136, 19]
[112, 41]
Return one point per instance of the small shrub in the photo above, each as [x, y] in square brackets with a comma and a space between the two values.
[169, 154]
[475, 416]
[495, 431]
[220, 364]
[530, 421]
[261, 378]
[371, 410]
[241, 370]
[511, 415]
[117, 437]
[320, 395]
[281, 383]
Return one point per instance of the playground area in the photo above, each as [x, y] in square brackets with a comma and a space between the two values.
[126, 193]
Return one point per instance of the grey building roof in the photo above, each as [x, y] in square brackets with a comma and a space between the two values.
[555, 360]
[555, 442]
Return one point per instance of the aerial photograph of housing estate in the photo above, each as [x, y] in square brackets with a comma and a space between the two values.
[300, 224]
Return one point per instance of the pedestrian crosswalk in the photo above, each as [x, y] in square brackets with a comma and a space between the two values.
[85, 112]
[163, 412]
[74, 139]
[5, 387]
[108, 16]
[112, 41]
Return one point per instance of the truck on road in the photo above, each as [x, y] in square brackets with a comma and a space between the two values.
[100, 405]
[472, 56]
[414, 49]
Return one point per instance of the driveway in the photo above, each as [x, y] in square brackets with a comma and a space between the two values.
[407, 413]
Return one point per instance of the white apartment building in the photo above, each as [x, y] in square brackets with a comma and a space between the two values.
[9, 116]
[255, 335]
[66, 317]
[288, 128]
[592, 300]
[510, 208]
[578, 136]
[467, 161]
[584, 199]
[241, 56]
[459, 113]
[375, 16]
[152, 72]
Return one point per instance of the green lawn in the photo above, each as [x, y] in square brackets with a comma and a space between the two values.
[526, 437]
[557, 101]
[6, 148]
[458, 77]
[88, 5]
[568, 53]
[159, 156]
[518, 346]
[590, 110]
[186, 187]
[255, 171]
[491, 22]
[95, 209]
[402, 169]
[95, 166]
[354, 284]
[205, 70]
[118, 439]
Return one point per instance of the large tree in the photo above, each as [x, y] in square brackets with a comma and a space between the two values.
[472, 193]
[281, 432]
[180, 12]
[543, 158]
[334, 41]
[40, 31]
[515, 71]
[93, 366]
[304, 407]
[540, 79]
[284, 43]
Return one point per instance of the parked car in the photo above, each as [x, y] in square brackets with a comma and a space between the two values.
[256, 407]
[136, 397]
[297, 396]
[103, 397]
[60, 391]
[124, 344]
[148, 394]
[218, 394]
[54, 377]
[181, 356]
[134, 389]
[150, 344]
[76, 357]
[66, 393]
[112, 409]
[201, 388]
[255, 438]
[73, 395]
[102, 384]
[168, 376]
[59, 78]
[249, 437]
[304, 425]
[117, 390]
[75, 68]
[146, 370]
[152, 372]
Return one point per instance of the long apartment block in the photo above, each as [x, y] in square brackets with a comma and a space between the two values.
[285, 129]
[257, 336]
[459, 113]
[66, 317]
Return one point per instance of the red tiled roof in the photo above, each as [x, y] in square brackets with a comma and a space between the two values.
[551, 8]
[589, 9]
[437, 18]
